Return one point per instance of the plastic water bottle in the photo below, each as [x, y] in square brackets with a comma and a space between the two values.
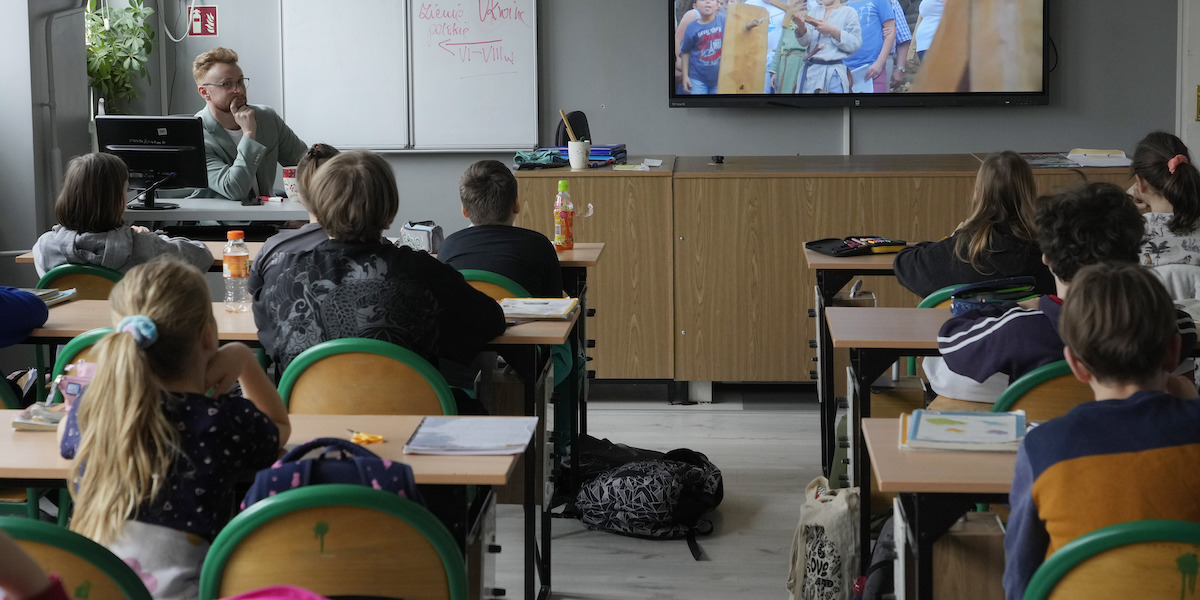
[236, 269]
[564, 219]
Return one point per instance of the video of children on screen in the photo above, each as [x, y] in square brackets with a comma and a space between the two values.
[838, 47]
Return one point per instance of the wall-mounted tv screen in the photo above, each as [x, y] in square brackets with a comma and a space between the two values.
[812, 53]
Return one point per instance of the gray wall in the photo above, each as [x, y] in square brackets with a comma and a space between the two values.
[1115, 81]
[608, 60]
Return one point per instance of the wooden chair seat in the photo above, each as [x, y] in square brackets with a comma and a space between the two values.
[1044, 393]
[1139, 559]
[88, 570]
[358, 376]
[337, 540]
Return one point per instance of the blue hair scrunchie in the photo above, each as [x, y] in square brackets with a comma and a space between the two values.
[143, 330]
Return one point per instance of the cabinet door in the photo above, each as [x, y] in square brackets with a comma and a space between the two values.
[630, 288]
[742, 289]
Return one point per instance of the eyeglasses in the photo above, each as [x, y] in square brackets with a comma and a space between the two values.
[232, 84]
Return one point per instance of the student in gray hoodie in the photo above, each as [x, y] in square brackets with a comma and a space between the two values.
[91, 230]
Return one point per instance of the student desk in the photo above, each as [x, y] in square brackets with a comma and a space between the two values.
[217, 249]
[574, 263]
[31, 458]
[935, 487]
[214, 209]
[832, 274]
[876, 338]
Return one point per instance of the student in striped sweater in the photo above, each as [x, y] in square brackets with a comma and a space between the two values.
[1088, 225]
[1073, 473]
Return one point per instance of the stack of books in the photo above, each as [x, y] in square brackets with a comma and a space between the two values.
[603, 153]
[52, 296]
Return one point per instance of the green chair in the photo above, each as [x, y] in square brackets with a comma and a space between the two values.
[496, 286]
[1138, 559]
[937, 299]
[88, 570]
[337, 540]
[1044, 393]
[360, 376]
[91, 282]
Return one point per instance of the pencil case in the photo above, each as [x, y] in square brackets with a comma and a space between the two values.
[856, 246]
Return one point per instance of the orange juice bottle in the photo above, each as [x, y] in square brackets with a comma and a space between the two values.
[564, 219]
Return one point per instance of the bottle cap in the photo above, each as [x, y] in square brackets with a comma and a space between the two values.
[235, 234]
[562, 185]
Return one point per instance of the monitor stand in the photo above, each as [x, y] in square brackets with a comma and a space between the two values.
[149, 201]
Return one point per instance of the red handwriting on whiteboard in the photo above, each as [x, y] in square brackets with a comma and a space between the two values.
[433, 11]
[491, 51]
[500, 10]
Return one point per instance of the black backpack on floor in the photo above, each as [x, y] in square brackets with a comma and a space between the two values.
[655, 498]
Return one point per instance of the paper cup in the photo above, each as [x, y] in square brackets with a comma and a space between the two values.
[578, 153]
[289, 182]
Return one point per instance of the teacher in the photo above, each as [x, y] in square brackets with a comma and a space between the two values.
[243, 142]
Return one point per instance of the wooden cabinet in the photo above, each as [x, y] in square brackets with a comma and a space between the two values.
[742, 290]
[702, 276]
[630, 288]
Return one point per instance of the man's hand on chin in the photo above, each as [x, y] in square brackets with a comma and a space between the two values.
[244, 116]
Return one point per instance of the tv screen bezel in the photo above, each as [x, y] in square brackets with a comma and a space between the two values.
[852, 100]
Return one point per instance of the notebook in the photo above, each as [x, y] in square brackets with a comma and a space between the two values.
[953, 430]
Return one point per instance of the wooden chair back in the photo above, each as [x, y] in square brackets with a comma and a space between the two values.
[88, 570]
[91, 282]
[337, 540]
[359, 376]
[1044, 393]
[1138, 559]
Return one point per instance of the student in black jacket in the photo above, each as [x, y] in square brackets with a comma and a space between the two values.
[998, 240]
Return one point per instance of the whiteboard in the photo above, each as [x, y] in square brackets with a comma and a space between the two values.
[415, 74]
[344, 75]
[474, 74]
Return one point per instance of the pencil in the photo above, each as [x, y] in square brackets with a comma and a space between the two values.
[570, 133]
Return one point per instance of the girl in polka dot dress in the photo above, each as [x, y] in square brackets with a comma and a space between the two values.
[158, 442]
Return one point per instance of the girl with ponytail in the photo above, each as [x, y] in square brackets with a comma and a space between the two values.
[157, 440]
[1166, 188]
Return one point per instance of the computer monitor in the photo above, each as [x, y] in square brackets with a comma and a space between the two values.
[160, 152]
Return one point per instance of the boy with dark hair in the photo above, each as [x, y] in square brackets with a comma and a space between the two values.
[1084, 226]
[1073, 473]
[488, 192]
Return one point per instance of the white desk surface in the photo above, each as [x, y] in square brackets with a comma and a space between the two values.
[206, 209]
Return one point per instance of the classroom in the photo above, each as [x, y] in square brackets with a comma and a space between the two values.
[1115, 78]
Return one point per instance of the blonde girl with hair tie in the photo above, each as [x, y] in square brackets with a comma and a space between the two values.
[158, 441]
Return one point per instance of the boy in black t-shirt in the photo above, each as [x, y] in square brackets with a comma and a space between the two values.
[489, 199]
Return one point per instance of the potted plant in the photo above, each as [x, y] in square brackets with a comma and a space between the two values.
[119, 41]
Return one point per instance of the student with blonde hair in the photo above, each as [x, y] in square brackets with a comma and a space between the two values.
[158, 440]
[998, 239]
[358, 284]
[91, 228]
